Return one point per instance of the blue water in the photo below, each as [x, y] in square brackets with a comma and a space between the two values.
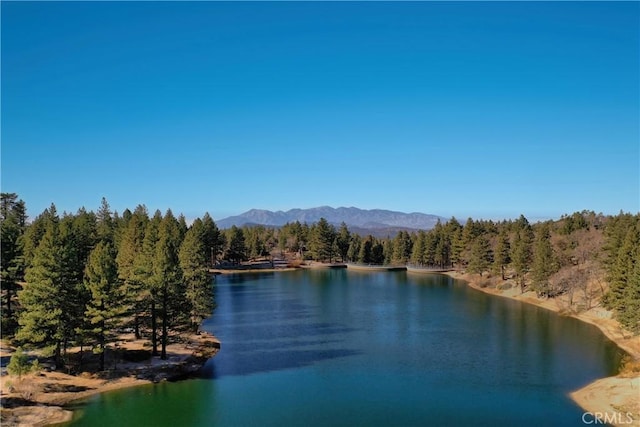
[331, 348]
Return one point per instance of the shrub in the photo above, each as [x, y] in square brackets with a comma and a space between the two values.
[19, 364]
[504, 286]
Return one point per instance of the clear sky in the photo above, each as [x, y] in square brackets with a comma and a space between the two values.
[468, 109]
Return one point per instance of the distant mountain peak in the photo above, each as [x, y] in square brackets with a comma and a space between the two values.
[352, 216]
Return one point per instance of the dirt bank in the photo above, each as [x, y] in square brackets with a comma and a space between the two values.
[43, 398]
[616, 398]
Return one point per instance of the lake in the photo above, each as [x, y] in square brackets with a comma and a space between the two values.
[344, 348]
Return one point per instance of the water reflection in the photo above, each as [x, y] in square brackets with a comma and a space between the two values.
[265, 329]
[319, 348]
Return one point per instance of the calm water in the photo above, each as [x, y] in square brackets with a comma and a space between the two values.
[332, 348]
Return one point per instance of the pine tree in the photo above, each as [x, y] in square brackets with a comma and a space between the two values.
[48, 296]
[354, 248]
[128, 260]
[544, 262]
[73, 259]
[167, 274]
[481, 255]
[470, 231]
[106, 227]
[12, 228]
[35, 232]
[107, 303]
[502, 253]
[343, 240]
[19, 364]
[402, 247]
[378, 253]
[521, 253]
[457, 247]
[236, 248]
[366, 251]
[198, 284]
[182, 226]
[628, 308]
[624, 272]
[322, 240]
[214, 240]
[85, 229]
[442, 255]
[453, 232]
[145, 270]
[430, 246]
[417, 253]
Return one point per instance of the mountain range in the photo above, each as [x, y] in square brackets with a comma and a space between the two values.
[360, 219]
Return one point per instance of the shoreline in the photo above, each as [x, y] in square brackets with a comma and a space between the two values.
[617, 397]
[55, 395]
[224, 271]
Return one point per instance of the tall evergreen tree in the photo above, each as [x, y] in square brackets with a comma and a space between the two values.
[214, 240]
[182, 226]
[402, 247]
[35, 232]
[236, 248]
[502, 255]
[417, 253]
[623, 272]
[146, 271]
[106, 227]
[74, 252]
[85, 229]
[442, 255]
[457, 247]
[544, 262]
[481, 255]
[521, 254]
[343, 240]
[129, 262]
[198, 284]
[377, 253]
[48, 297]
[430, 246]
[354, 248]
[322, 240]
[12, 227]
[167, 273]
[107, 303]
[366, 249]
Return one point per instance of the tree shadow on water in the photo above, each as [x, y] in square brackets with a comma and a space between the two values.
[256, 361]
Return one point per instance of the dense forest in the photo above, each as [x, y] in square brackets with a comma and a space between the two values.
[80, 279]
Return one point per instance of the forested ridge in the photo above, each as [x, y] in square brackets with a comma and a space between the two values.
[78, 279]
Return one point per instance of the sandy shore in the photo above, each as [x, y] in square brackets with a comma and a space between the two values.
[613, 400]
[45, 398]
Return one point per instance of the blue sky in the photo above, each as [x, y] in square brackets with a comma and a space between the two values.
[473, 109]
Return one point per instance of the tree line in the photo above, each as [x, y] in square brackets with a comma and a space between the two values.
[79, 279]
[568, 256]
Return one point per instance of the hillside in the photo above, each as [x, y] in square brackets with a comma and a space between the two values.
[364, 219]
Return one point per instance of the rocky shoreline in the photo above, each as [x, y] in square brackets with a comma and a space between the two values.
[46, 398]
